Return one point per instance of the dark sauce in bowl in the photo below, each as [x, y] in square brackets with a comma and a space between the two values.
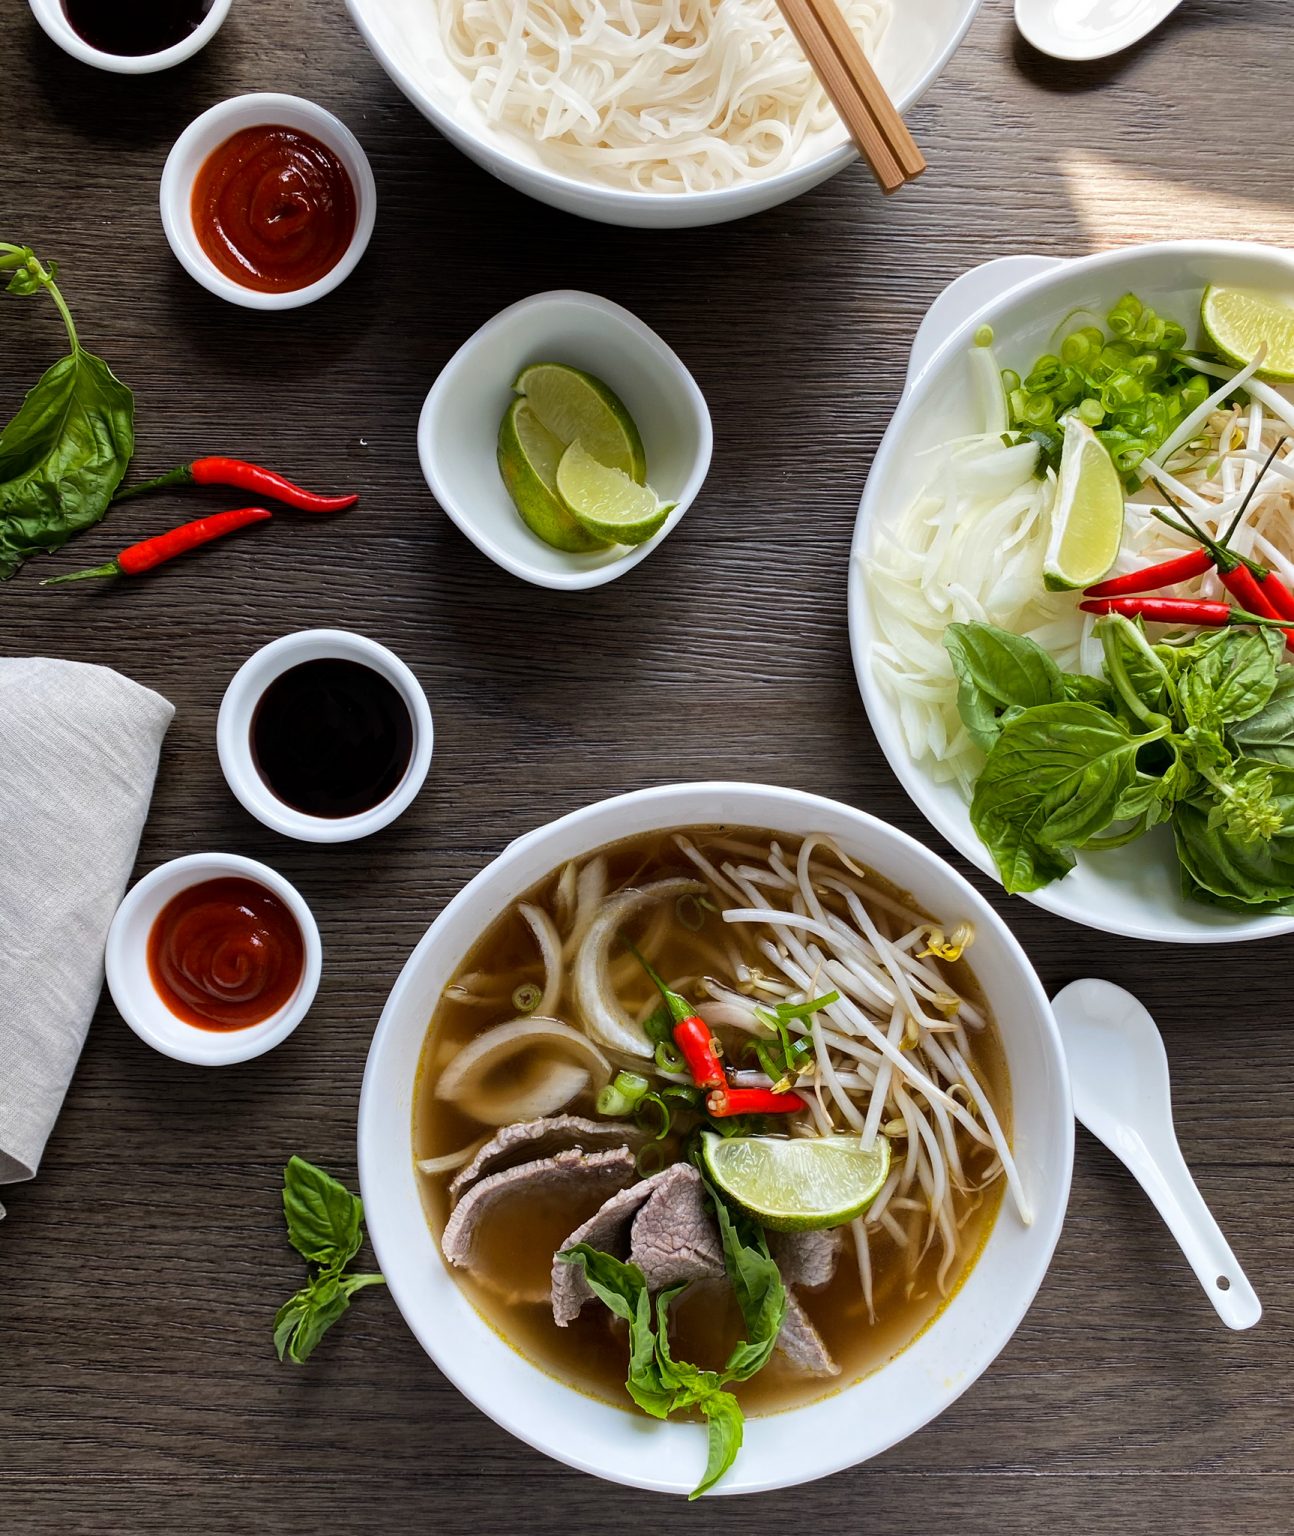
[225, 954]
[132, 28]
[332, 738]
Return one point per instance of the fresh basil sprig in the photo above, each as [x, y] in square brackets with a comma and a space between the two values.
[65, 452]
[661, 1385]
[1200, 734]
[325, 1226]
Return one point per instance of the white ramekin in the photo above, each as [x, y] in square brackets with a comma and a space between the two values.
[53, 20]
[234, 733]
[137, 999]
[205, 134]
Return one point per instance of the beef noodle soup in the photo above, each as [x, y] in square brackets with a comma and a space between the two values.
[824, 1141]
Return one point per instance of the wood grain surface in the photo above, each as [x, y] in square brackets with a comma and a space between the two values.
[140, 1272]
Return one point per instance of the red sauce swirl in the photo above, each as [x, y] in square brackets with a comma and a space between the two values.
[273, 208]
[225, 954]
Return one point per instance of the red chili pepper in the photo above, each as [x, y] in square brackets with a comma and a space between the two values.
[1252, 594]
[1150, 578]
[693, 1038]
[1277, 594]
[1163, 610]
[243, 477]
[150, 552]
[751, 1101]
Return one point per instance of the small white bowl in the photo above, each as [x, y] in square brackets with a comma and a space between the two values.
[207, 133]
[234, 733]
[459, 427]
[137, 999]
[54, 22]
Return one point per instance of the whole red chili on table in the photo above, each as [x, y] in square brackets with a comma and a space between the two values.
[241, 476]
[136, 558]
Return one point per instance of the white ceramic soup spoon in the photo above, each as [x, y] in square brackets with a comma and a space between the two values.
[1118, 1071]
[1088, 29]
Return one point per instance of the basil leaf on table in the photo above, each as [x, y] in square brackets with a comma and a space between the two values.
[324, 1226]
[64, 454]
[1268, 736]
[1055, 778]
[996, 671]
[322, 1216]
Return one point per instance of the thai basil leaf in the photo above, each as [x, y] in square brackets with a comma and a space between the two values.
[1140, 679]
[1231, 680]
[996, 671]
[322, 1216]
[1242, 873]
[304, 1320]
[757, 1283]
[1268, 735]
[1087, 690]
[726, 1424]
[1058, 775]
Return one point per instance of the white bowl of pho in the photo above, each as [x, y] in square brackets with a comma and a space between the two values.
[656, 114]
[1157, 807]
[738, 1079]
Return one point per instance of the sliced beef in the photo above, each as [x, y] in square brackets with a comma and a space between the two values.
[591, 1173]
[607, 1229]
[802, 1344]
[674, 1238]
[806, 1258]
[530, 1140]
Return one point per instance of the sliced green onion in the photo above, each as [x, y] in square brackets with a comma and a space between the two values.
[649, 1104]
[624, 1094]
[527, 997]
[669, 1058]
[650, 1160]
[688, 911]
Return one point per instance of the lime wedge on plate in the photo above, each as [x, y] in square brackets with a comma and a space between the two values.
[797, 1184]
[607, 503]
[1087, 517]
[1239, 320]
[528, 458]
[573, 404]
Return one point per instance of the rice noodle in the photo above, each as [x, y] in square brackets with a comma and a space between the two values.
[668, 96]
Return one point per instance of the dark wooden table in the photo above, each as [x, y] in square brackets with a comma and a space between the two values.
[139, 1274]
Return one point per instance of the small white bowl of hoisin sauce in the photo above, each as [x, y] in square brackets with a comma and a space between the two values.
[131, 37]
[325, 736]
[213, 959]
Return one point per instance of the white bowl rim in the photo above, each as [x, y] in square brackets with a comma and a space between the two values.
[234, 721]
[56, 26]
[219, 1048]
[555, 184]
[575, 580]
[175, 193]
[957, 830]
[1045, 1229]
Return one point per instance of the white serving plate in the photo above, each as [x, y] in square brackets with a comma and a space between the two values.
[854, 1423]
[405, 38]
[1132, 891]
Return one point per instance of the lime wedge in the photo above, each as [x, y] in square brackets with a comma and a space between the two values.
[605, 502]
[573, 404]
[797, 1184]
[1238, 320]
[528, 458]
[1087, 518]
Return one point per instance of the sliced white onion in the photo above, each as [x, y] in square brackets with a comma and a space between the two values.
[451, 1160]
[603, 1016]
[550, 947]
[465, 1081]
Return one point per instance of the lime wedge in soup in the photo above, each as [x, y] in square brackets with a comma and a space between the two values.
[796, 1184]
[573, 404]
[528, 458]
[1087, 517]
[605, 502]
[1240, 320]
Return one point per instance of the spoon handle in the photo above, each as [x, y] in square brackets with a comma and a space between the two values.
[1165, 1177]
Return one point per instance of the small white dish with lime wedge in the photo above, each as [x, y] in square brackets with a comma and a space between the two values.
[1134, 890]
[458, 431]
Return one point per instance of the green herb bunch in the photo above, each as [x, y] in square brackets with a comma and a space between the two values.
[1128, 385]
[659, 1384]
[325, 1226]
[1198, 734]
[64, 454]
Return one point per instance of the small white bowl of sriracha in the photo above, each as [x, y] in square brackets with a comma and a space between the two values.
[565, 439]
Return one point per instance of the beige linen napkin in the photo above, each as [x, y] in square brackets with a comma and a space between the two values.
[78, 756]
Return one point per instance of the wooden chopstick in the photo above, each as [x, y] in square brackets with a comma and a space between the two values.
[858, 96]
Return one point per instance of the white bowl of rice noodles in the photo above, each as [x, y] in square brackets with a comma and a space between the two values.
[532, 1142]
[653, 113]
